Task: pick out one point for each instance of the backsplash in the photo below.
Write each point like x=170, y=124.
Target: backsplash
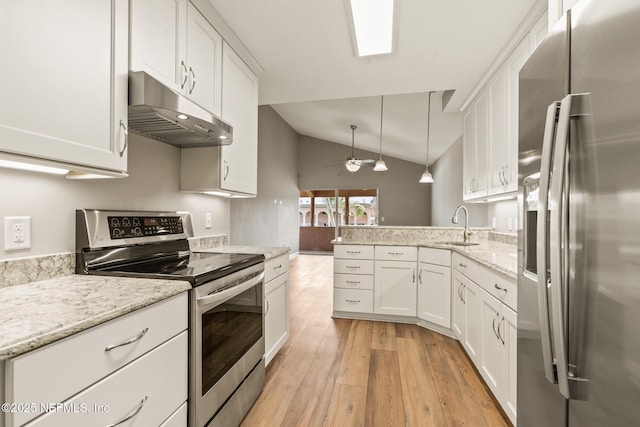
x=508, y=238
x=33, y=269
x=24, y=270
x=408, y=235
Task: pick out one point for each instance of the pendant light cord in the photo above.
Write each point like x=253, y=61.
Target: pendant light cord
x=353, y=132
x=381, y=111
x=428, y=120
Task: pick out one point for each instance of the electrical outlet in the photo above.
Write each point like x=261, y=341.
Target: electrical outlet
x=207, y=220
x=17, y=232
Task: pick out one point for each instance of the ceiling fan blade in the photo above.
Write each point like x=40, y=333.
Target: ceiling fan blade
x=367, y=161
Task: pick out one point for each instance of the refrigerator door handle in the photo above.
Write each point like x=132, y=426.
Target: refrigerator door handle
x=542, y=235
x=557, y=229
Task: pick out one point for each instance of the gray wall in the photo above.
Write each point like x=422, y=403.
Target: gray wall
x=446, y=193
x=402, y=200
x=271, y=219
x=51, y=201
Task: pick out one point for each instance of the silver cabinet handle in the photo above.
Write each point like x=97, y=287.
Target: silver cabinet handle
x=226, y=170
x=414, y=275
x=505, y=175
x=499, y=334
x=277, y=267
x=462, y=265
x=463, y=286
x=542, y=239
x=493, y=324
x=420, y=277
x=353, y=282
x=126, y=137
x=396, y=253
x=186, y=75
x=127, y=342
x=500, y=176
x=505, y=290
x=352, y=266
x=131, y=414
x=266, y=300
x=353, y=252
x=193, y=79
x=355, y=301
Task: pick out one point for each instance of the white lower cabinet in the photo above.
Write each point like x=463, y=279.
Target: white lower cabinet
x=472, y=323
x=178, y=418
x=276, y=295
x=145, y=392
x=353, y=279
x=134, y=363
x=394, y=288
x=434, y=286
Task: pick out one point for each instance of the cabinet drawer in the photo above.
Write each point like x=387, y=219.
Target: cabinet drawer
x=500, y=286
x=356, y=300
x=397, y=253
x=157, y=382
x=353, y=251
x=352, y=266
x=81, y=360
x=275, y=267
x=465, y=266
x=178, y=418
x=435, y=256
x=352, y=281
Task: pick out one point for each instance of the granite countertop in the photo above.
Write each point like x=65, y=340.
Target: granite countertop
x=38, y=313
x=501, y=257
x=268, y=251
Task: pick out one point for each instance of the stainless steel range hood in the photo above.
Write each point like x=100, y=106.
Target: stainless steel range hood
x=160, y=113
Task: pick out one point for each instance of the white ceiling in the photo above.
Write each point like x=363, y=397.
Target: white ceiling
x=315, y=82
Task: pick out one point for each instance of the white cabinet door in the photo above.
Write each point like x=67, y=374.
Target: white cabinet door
x=469, y=152
x=473, y=319
x=158, y=40
x=434, y=294
x=499, y=158
x=476, y=140
x=65, y=80
x=239, y=167
x=508, y=331
x=276, y=327
x=491, y=362
x=458, y=306
x=204, y=62
x=395, y=288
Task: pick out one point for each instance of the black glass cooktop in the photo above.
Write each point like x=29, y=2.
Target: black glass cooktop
x=196, y=267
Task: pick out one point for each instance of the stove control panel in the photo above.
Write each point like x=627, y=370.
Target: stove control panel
x=125, y=227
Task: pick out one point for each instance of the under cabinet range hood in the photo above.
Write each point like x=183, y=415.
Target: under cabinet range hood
x=157, y=112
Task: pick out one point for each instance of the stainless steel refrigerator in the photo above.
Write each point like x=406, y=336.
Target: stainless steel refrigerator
x=579, y=247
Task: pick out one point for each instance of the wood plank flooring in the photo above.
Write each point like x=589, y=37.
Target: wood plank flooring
x=339, y=372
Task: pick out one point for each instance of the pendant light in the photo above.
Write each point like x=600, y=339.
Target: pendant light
x=426, y=177
x=353, y=164
x=380, y=164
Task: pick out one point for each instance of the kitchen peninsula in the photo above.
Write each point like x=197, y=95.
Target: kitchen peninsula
x=431, y=277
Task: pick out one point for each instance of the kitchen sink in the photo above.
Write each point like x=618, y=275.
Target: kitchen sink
x=458, y=243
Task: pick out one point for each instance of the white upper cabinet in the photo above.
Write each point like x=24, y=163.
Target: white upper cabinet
x=175, y=44
x=500, y=158
x=239, y=167
x=475, y=144
x=64, y=82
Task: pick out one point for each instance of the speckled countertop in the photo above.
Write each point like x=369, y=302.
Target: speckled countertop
x=38, y=313
x=501, y=257
x=268, y=251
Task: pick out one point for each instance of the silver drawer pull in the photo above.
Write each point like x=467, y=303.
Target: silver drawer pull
x=131, y=414
x=353, y=252
x=462, y=265
x=127, y=342
x=277, y=267
x=499, y=288
x=353, y=282
x=352, y=266
x=356, y=301
x=396, y=253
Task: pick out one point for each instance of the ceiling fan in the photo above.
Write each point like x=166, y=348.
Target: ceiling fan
x=353, y=163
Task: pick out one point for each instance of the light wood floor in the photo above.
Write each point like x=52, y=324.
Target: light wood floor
x=338, y=372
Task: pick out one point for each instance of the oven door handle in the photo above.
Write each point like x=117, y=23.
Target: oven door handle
x=213, y=299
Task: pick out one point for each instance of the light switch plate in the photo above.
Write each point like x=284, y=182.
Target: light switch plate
x=17, y=232
x=207, y=220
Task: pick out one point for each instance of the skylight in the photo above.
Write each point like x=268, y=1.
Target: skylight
x=372, y=22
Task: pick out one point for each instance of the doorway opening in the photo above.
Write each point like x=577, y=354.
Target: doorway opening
x=322, y=212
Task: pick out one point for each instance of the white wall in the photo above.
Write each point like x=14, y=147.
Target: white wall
x=502, y=211
x=51, y=201
x=271, y=218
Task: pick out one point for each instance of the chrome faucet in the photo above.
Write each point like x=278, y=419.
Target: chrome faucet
x=466, y=233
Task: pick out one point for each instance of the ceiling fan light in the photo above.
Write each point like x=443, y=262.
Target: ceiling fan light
x=380, y=166
x=426, y=177
x=353, y=165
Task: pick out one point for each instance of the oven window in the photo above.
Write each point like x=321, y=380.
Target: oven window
x=228, y=331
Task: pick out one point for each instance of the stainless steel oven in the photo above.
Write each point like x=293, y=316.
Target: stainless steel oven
x=226, y=303
x=227, y=346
